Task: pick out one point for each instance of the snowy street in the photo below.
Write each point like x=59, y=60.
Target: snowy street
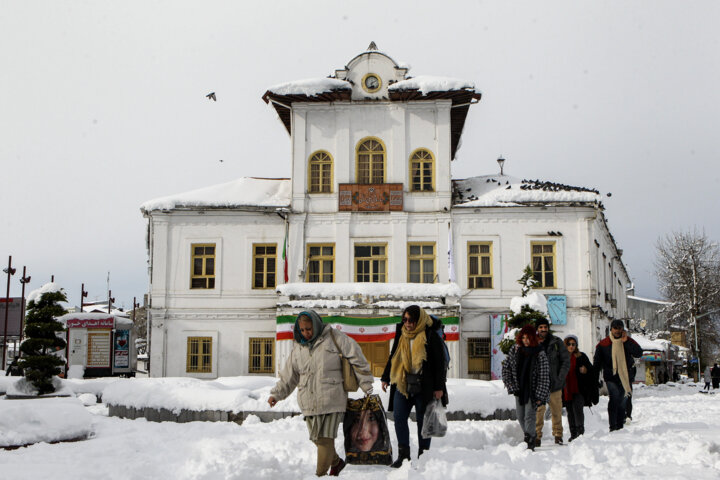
x=675, y=433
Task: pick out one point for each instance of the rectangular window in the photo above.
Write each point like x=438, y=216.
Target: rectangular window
x=543, y=263
x=203, y=266
x=199, y=355
x=264, y=260
x=421, y=262
x=321, y=263
x=478, y=356
x=262, y=355
x=480, y=265
x=370, y=263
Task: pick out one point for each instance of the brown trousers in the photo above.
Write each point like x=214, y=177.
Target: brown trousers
x=555, y=411
x=326, y=455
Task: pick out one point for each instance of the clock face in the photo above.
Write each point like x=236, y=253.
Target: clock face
x=371, y=83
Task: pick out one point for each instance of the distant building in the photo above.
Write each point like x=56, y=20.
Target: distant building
x=645, y=314
x=370, y=221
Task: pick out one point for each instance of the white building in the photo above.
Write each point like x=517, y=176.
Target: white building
x=369, y=216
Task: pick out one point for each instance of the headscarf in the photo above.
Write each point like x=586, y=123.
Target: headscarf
x=317, y=325
x=407, y=360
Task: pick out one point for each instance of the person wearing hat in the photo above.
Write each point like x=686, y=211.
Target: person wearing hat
x=580, y=387
x=559, y=360
x=614, y=359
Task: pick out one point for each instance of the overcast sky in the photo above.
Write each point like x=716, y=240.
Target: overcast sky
x=102, y=107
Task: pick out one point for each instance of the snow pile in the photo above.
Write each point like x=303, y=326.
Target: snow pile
x=387, y=304
x=396, y=290
x=647, y=344
x=76, y=371
x=47, y=288
x=250, y=394
x=310, y=87
x=246, y=191
x=24, y=422
x=24, y=388
x=503, y=190
x=429, y=83
x=534, y=300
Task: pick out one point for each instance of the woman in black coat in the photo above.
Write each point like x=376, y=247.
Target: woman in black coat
x=416, y=374
x=580, y=387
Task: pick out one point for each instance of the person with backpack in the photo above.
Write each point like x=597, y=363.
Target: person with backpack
x=559, y=360
x=416, y=372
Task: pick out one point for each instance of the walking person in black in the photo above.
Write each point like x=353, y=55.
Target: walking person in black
x=614, y=359
x=580, y=388
x=559, y=360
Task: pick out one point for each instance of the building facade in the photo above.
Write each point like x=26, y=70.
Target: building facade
x=370, y=221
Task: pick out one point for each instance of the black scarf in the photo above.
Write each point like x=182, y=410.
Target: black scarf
x=525, y=358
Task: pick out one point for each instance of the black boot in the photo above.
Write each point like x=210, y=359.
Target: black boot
x=531, y=442
x=403, y=454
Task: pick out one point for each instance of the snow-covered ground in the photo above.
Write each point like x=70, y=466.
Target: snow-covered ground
x=675, y=433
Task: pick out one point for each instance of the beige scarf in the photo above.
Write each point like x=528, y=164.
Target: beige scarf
x=619, y=363
x=407, y=360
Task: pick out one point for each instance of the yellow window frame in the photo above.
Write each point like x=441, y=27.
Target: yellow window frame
x=317, y=263
x=478, y=352
x=476, y=278
x=202, y=280
x=199, y=355
x=376, y=153
x=264, y=277
x=371, y=260
x=541, y=274
x=323, y=181
x=422, y=166
x=261, y=355
x=422, y=257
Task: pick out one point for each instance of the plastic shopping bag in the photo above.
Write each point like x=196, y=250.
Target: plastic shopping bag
x=435, y=420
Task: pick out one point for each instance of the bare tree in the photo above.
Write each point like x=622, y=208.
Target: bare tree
x=688, y=271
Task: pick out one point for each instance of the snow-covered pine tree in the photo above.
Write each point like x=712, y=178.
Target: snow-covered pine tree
x=38, y=361
x=526, y=309
x=688, y=274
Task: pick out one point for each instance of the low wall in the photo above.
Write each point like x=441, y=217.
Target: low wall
x=164, y=415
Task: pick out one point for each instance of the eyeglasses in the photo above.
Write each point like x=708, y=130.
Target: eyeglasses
x=408, y=320
x=571, y=344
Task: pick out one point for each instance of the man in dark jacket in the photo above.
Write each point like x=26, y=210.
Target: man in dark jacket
x=559, y=360
x=614, y=358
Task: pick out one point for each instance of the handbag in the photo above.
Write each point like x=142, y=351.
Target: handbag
x=413, y=383
x=367, y=439
x=350, y=382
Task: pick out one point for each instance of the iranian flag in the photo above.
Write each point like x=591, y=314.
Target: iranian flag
x=284, y=255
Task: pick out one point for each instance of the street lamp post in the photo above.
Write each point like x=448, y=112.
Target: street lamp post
x=83, y=295
x=10, y=271
x=23, y=280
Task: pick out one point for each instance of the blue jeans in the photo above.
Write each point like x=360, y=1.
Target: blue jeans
x=401, y=413
x=526, y=415
x=616, y=405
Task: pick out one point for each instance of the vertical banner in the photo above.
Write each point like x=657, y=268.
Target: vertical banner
x=498, y=329
x=122, y=349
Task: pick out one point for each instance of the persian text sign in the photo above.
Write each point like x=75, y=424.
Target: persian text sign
x=91, y=323
x=376, y=197
x=557, y=309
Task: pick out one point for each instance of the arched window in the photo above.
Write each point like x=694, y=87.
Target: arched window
x=320, y=172
x=422, y=166
x=370, y=161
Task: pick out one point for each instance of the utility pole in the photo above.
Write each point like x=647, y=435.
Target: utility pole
x=24, y=280
x=83, y=295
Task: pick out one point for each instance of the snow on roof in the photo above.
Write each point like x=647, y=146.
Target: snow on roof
x=397, y=290
x=647, y=344
x=245, y=191
x=649, y=300
x=430, y=83
x=310, y=87
x=504, y=190
x=47, y=288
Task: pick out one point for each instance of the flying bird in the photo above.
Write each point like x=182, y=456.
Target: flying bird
x=211, y=96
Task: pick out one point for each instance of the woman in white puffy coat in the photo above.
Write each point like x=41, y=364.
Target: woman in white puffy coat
x=315, y=368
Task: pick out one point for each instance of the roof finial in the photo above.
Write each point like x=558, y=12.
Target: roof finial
x=372, y=46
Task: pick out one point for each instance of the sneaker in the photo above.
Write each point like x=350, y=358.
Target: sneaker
x=558, y=440
x=335, y=471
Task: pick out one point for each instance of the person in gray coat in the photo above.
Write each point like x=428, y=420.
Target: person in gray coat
x=315, y=368
x=559, y=360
